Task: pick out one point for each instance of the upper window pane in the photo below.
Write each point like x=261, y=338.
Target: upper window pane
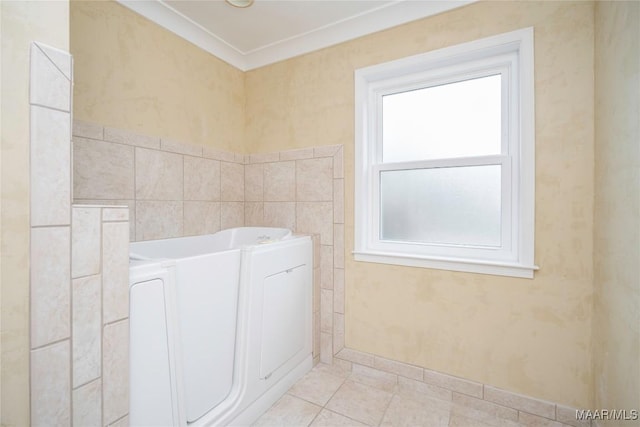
x=458, y=119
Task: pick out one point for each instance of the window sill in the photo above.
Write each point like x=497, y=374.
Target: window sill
x=451, y=264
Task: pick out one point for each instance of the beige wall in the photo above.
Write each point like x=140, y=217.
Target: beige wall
x=529, y=336
x=617, y=206
x=132, y=74
x=22, y=23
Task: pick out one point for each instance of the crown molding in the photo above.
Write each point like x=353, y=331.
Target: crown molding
x=388, y=16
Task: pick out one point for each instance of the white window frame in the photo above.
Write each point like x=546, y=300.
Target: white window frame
x=509, y=54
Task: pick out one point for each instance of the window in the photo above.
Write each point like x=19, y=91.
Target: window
x=445, y=158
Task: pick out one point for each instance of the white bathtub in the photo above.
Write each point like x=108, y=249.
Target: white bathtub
x=237, y=330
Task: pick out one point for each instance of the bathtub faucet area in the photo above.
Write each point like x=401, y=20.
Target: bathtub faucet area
x=220, y=325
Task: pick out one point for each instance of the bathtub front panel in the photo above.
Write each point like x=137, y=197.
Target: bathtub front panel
x=207, y=296
x=150, y=382
x=283, y=318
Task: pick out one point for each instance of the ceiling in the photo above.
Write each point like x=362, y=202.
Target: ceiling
x=274, y=30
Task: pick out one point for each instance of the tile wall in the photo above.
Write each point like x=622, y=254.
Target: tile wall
x=173, y=189
x=178, y=189
x=79, y=267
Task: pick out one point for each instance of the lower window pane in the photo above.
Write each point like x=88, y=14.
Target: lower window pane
x=453, y=205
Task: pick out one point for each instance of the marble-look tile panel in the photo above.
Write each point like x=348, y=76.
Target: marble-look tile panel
x=87, y=130
x=360, y=402
x=60, y=58
x=326, y=150
x=374, y=378
x=338, y=244
x=289, y=411
x=520, y=402
x=338, y=290
x=297, y=154
x=201, y=179
x=338, y=163
x=280, y=181
x=315, y=217
x=356, y=356
x=327, y=418
x=49, y=87
x=280, y=214
x=453, y=383
x=316, y=249
x=159, y=175
x=50, y=385
x=462, y=416
x=87, y=404
x=404, y=412
x=338, y=330
x=201, y=218
x=231, y=215
x=485, y=406
x=231, y=182
x=215, y=154
x=338, y=201
x=87, y=326
x=115, y=271
x=50, y=285
x=529, y=420
x=339, y=368
x=253, y=214
x=316, y=289
x=254, y=183
x=316, y=334
x=158, y=220
x=115, y=370
x=326, y=311
x=118, y=213
x=314, y=180
x=264, y=157
x=130, y=208
x=316, y=387
x=126, y=137
x=326, y=348
x=86, y=241
x=50, y=167
x=404, y=369
x=326, y=267
x=243, y=159
x=102, y=170
x=418, y=390
x=173, y=146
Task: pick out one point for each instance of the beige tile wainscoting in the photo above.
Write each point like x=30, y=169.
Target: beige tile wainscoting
x=178, y=189
x=79, y=269
x=362, y=389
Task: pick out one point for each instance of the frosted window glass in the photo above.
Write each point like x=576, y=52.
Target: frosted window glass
x=452, y=120
x=453, y=205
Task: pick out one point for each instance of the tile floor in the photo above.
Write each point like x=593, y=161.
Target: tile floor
x=331, y=395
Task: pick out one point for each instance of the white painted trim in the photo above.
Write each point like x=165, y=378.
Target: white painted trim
x=450, y=264
x=397, y=13
x=167, y=17
x=394, y=14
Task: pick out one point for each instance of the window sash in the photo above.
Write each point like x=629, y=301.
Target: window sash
x=501, y=65
x=503, y=252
